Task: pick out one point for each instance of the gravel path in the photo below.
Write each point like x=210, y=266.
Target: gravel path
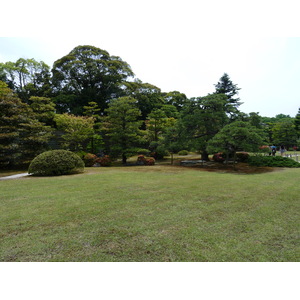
x=14, y=176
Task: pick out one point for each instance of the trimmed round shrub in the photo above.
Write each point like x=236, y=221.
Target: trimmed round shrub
x=183, y=152
x=55, y=163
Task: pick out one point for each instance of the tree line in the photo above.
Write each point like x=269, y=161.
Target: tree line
x=91, y=101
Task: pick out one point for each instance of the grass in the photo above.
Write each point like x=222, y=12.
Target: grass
x=154, y=213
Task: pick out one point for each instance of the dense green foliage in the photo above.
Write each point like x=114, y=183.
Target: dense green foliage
x=235, y=137
x=272, y=161
x=87, y=74
x=122, y=126
x=82, y=100
x=56, y=162
x=22, y=136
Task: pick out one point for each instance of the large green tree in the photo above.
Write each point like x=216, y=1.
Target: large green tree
x=236, y=136
x=27, y=77
x=88, y=74
x=297, y=123
x=284, y=133
x=22, y=136
x=148, y=96
x=122, y=127
x=201, y=120
x=176, y=98
x=44, y=109
x=227, y=87
x=77, y=130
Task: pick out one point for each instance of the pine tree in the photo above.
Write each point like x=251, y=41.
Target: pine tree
x=22, y=136
x=297, y=123
x=122, y=127
x=227, y=87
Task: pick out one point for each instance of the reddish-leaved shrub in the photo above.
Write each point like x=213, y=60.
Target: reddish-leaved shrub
x=219, y=157
x=89, y=159
x=150, y=161
x=142, y=160
x=104, y=161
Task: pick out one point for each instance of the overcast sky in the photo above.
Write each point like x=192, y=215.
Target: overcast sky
x=176, y=45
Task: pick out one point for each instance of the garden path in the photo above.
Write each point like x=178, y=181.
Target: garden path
x=14, y=176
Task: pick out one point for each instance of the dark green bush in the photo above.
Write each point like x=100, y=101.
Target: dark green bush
x=159, y=153
x=272, y=161
x=242, y=156
x=56, y=162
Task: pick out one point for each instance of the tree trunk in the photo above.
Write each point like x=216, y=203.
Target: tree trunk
x=204, y=156
x=124, y=159
x=234, y=159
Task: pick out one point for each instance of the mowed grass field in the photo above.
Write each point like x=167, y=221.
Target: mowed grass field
x=153, y=213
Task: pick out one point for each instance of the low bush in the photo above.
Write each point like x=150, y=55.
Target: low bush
x=56, y=162
x=104, y=161
x=150, y=161
x=219, y=157
x=158, y=151
x=273, y=161
x=142, y=160
x=89, y=159
x=242, y=156
x=183, y=152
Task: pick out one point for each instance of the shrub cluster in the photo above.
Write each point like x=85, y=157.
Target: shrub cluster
x=272, y=161
x=90, y=159
x=219, y=157
x=56, y=162
x=240, y=157
x=142, y=160
x=104, y=161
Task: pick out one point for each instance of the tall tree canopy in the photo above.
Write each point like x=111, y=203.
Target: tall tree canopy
x=88, y=74
x=236, y=136
x=227, y=87
x=27, y=77
x=297, y=123
x=22, y=136
x=122, y=127
x=148, y=96
x=201, y=120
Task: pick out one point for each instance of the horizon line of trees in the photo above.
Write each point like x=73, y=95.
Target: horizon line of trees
x=91, y=101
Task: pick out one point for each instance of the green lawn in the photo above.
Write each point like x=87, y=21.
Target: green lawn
x=154, y=213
